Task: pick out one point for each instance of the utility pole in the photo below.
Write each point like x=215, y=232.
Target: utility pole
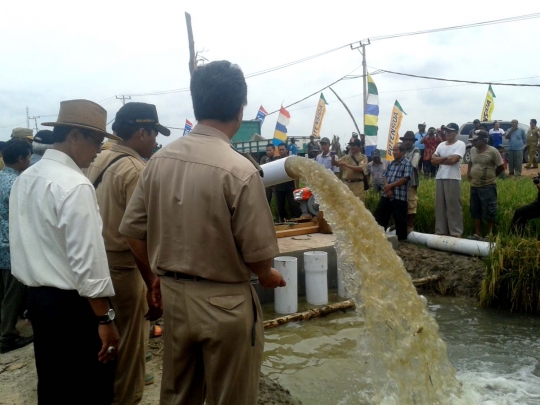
x=35, y=121
x=191, y=44
x=362, y=49
x=123, y=98
x=27, y=118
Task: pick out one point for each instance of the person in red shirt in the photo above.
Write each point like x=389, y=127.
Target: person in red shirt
x=430, y=142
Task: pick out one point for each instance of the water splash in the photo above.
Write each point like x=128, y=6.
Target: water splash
x=407, y=360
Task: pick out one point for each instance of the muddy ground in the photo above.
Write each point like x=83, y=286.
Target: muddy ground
x=462, y=277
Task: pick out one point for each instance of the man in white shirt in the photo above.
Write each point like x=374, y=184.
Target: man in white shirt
x=57, y=250
x=325, y=157
x=448, y=155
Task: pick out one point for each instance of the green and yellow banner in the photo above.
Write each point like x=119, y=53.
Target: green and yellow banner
x=393, y=132
x=489, y=105
x=319, y=115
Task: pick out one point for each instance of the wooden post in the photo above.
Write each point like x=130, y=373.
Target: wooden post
x=192, y=60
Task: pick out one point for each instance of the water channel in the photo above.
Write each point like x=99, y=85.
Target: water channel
x=495, y=353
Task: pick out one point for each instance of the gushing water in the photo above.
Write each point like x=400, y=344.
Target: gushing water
x=407, y=360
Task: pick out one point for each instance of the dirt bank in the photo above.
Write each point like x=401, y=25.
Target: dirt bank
x=462, y=275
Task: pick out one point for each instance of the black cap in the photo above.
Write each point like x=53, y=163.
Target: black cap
x=476, y=122
x=451, y=127
x=354, y=135
x=45, y=137
x=139, y=113
x=325, y=140
x=479, y=134
x=356, y=142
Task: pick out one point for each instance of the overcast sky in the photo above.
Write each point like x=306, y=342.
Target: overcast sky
x=58, y=50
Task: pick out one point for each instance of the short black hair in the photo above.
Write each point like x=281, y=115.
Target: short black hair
x=61, y=133
x=218, y=91
x=126, y=131
x=401, y=146
x=282, y=144
x=269, y=146
x=533, y=120
x=15, y=148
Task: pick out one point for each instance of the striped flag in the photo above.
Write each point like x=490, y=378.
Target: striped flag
x=280, y=134
x=261, y=115
x=187, y=128
x=371, y=119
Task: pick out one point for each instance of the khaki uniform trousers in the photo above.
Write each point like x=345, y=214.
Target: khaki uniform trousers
x=130, y=306
x=210, y=351
x=357, y=188
x=532, y=155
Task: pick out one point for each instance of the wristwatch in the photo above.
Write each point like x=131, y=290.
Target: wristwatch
x=107, y=318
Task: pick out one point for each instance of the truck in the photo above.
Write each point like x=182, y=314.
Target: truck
x=249, y=140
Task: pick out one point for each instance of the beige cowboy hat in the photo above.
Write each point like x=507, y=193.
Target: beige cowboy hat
x=83, y=114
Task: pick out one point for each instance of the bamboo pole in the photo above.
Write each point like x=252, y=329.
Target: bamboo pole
x=349, y=111
x=331, y=308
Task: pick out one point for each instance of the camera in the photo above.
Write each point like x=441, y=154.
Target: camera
x=536, y=180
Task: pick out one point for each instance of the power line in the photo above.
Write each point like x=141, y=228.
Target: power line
x=458, y=27
x=460, y=81
x=377, y=38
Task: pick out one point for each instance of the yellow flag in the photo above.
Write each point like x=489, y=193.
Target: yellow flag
x=319, y=115
x=489, y=105
x=393, y=132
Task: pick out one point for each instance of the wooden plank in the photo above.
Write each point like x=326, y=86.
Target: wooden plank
x=297, y=231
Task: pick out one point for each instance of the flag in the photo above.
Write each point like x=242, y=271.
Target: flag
x=371, y=118
x=319, y=115
x=187, y=128
x=489, y=105
x=261, y=115
x=393, y=132
x=280, y=134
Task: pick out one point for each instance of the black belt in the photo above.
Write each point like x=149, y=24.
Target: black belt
x=183, y=276
x=353, y=181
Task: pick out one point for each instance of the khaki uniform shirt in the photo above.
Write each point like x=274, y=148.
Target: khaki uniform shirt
x=484, y=165
x=202, y=208
x=533, y=134
x=2, y=164
x=115, y=190
x=348, y=174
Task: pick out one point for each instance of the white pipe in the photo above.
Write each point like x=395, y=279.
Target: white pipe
x=275, y=172
x=450, y=244
x=316, y=268
x=286, y=298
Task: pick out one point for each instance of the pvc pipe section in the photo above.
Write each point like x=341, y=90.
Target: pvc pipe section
x=316, y=268
x=276, y=172
x=450, y=244
x=286, y=298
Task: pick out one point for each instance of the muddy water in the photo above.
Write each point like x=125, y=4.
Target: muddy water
x=495, y=354
x=402, y=357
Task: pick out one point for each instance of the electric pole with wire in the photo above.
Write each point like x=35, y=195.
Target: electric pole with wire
x=27, y=118
x=362, y=49
x=123, y=98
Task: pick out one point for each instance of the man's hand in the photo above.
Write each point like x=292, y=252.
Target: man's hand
x=389, y=193
x=469, y=177
x=153, y=299
x=109, y=338
x=387, y=188
x=272, y=279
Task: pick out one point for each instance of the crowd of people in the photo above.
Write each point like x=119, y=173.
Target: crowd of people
x=98, y=239
x=438, y=153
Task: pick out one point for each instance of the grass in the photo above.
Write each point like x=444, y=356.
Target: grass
x=512, y=277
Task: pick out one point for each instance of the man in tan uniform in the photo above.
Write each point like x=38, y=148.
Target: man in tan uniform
x=353, y=168
x=115, y=174
x=533, y=136
x=192, y=218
